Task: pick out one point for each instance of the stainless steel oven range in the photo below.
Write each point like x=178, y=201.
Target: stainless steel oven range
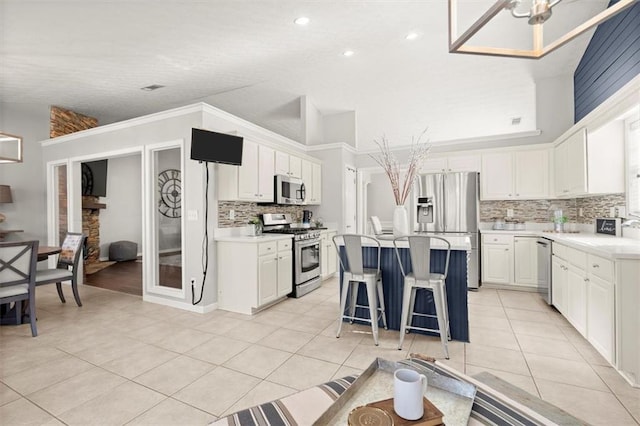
x=306, y=251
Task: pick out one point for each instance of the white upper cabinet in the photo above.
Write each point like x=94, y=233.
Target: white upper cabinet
x=458, y=163
x=531, y=174
x=590, y=162
x=288, y=165
x=253, y=181
x=316, y=187
x=515, y=175
x=464, y=163
x=312, y=178
x=282, y=163
x=570, y=165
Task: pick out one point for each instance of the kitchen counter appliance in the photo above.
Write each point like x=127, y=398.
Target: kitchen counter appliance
x=289, y=190
x=306, y=251
x=448, y=203
x=544, y=268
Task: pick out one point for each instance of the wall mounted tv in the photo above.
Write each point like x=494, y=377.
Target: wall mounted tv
x=216, y=147
x=94, y=178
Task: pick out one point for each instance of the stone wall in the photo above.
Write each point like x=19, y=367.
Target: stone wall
x=63, y=122
x=245, y=210
x=541, y=210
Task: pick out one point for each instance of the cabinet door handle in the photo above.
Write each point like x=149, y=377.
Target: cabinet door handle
x=595, y=265
x=517, y=195
x=586, y=280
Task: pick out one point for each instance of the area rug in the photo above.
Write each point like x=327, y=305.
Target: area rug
x=92, y=268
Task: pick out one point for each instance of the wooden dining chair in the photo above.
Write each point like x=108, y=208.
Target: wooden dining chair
x=69, y=257
x=17, y=277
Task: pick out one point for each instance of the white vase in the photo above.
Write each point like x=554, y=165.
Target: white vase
x=400, y=221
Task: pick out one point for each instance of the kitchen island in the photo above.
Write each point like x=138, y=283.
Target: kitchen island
x=393, y=284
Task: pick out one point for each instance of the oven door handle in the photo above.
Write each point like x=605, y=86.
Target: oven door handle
x=307, y=243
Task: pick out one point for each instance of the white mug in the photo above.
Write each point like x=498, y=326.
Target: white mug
x=408, y=389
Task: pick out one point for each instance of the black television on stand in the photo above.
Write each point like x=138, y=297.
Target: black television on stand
x=94, y=178
x=214, y=147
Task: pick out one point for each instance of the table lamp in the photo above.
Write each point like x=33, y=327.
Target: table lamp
x=5, y=197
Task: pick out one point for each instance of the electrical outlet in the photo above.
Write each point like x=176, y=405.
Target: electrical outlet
x=232, y=214
x=509, y=212
x=193, y=281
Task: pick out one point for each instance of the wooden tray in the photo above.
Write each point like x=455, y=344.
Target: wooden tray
x=432, y=416
x=453, y=397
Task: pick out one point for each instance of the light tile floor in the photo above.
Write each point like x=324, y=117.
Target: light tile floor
x=118, y=360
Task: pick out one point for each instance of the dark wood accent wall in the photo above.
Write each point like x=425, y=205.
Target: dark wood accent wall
x=611, y=60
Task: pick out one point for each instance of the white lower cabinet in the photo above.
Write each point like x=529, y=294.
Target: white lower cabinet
x=285, y=270
x=328, y=255
x=583, y=290
x=267, y=279
x=525, y=251
x=497, y=258
x=560, y=285
x=577, y=299
x=600, y=318
x=253, y=274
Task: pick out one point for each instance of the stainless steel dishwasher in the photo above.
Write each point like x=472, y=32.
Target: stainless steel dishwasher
x=544, y=268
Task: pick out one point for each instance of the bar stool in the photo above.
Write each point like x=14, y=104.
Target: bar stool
x=421, y=277
x=354, y=273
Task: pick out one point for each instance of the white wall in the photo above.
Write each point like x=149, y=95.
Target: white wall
x=380, y=201
x=28, y=210
x=311, y=122
x=134, y=135
x=340, y=127
x=122, y=219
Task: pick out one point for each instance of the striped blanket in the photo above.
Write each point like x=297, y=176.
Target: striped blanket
x=302, y=408
x=491, y=407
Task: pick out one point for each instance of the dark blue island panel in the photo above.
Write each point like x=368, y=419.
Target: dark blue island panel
x=393, y=284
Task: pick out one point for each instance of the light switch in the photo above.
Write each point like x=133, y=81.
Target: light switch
x=232, y=214
x=509, y=212
x=192, y=214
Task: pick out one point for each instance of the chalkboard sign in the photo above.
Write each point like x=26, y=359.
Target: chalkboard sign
x=608, y=226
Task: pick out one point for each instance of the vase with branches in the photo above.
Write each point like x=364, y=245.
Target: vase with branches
x=401, y=181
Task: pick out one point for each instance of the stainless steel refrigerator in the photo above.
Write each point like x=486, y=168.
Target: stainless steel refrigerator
x=449, y=203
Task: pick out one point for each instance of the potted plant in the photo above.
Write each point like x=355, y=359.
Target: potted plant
x=256, y=226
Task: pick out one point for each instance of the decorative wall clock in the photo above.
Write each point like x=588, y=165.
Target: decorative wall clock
x=87, y=180
x=170, y=188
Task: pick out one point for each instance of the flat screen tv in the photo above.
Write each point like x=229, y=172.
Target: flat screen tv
x=216, y=147
x=94, y=178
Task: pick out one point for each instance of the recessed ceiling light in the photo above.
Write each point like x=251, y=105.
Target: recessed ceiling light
x=303, y=20
x=152, y=87
x=348, y=53
x=412, y=36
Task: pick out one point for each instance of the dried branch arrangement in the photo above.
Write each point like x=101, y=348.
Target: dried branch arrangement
x=386, y=159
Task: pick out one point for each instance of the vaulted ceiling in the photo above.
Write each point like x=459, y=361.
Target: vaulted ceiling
x=250, y=59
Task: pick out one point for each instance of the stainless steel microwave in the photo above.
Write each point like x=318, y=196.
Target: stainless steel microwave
x=289, y=190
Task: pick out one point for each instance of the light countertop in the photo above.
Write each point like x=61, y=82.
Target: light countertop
x=249, y=239
x=600, y=245
x=457, y=242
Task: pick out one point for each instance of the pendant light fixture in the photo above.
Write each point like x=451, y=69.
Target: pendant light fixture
x=539, y=12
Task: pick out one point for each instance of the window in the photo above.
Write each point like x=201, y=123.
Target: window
x=632, y=126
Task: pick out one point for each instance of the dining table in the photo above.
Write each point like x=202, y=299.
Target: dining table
x=45, y=251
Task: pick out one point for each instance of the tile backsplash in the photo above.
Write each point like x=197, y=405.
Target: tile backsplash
x=541, y=210
x=245, y=210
